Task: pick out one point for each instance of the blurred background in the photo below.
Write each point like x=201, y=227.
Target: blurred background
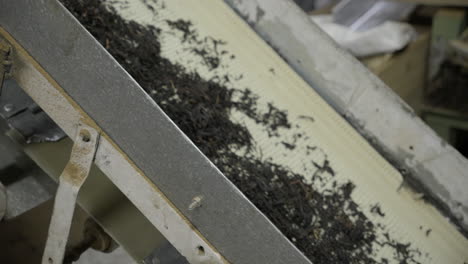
x=419, y=48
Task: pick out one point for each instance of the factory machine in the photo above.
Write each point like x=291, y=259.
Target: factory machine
x=71, y=109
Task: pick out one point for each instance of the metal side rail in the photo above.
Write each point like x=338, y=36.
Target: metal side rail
x=74, y=80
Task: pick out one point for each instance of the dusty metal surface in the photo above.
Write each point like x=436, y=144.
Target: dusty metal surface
x=72, y=178
x=173, y=171
x=367, y=103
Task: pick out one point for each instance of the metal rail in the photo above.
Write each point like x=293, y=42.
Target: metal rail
x=74, y=80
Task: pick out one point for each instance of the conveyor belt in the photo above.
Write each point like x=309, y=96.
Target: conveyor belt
x=164, y=172
x=407, y=217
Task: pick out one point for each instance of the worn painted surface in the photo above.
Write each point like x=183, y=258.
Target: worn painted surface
x=72, y=178
x=368, y=104
x=47, y=94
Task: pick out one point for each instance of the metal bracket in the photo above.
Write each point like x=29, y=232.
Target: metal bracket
x=72, y=178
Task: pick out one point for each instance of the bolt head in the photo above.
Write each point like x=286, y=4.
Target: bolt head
x=196, y=202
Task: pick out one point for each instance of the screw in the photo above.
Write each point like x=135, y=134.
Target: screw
x=196, y=202
x=8, y=108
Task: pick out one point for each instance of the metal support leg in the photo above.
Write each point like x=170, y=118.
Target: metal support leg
x=72, y=178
